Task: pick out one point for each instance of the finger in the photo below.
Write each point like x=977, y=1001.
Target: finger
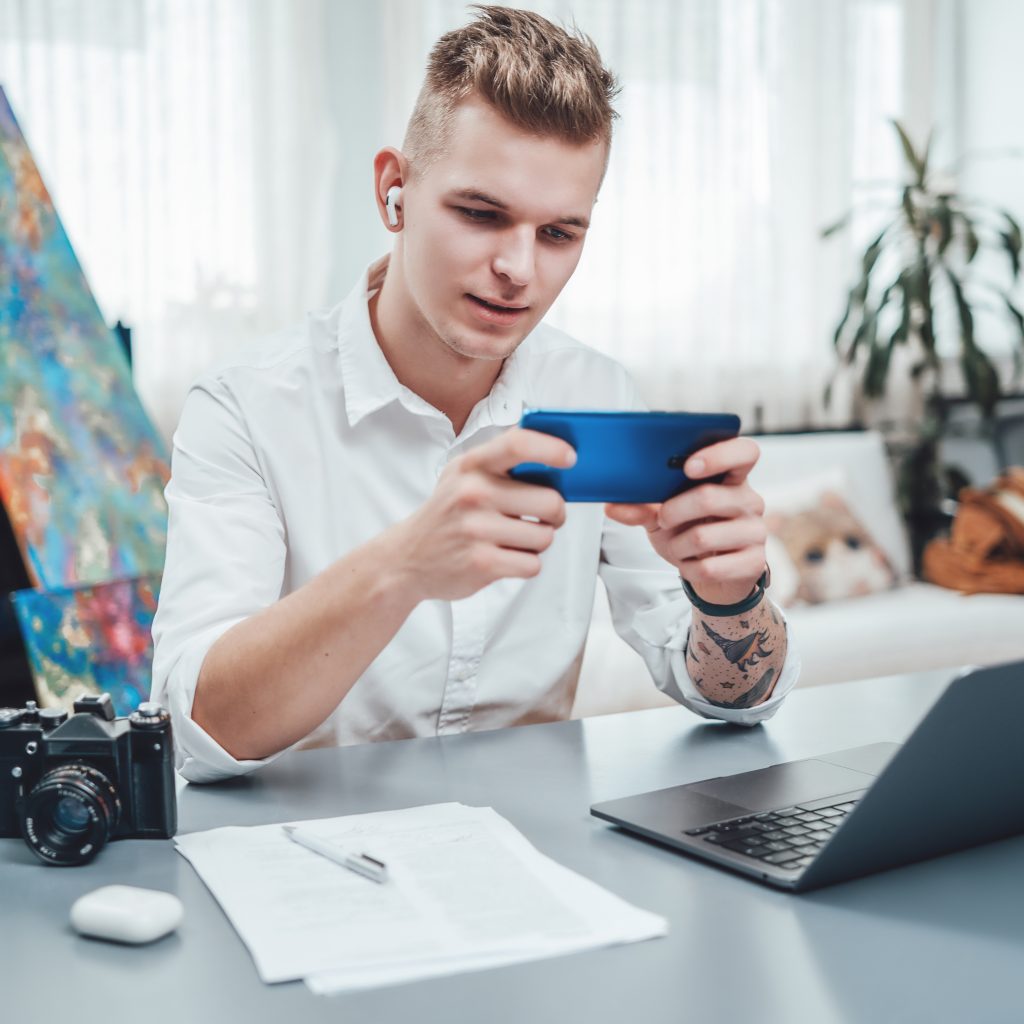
x=516, y=534
x=516, y=446
x=716, y=537
x=732, y=567
x=633, y=515
x=512, y=564
x=735, y=458
x=516, y=498
x=711, y=501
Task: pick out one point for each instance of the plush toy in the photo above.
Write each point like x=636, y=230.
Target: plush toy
x=985, y=551
x=823, y=553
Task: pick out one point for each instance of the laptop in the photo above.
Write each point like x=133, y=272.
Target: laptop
x=956, y=782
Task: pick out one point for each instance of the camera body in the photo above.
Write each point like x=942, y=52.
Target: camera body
x=68, y=784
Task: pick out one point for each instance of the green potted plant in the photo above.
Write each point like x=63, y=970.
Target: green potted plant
x=918, y=281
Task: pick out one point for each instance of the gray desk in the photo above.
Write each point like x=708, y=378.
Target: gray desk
x=939, y=941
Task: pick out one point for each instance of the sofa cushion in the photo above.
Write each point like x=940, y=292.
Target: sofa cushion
x=818, y=548
x=862, y=457
x=915, y=627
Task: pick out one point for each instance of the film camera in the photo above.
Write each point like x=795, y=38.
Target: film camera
x=68, y=784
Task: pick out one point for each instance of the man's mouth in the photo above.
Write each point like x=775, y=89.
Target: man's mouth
x=498, y=307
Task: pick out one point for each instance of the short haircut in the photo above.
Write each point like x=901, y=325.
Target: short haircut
x=544, y=79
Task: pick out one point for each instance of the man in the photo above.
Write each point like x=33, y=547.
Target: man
x=346, y=550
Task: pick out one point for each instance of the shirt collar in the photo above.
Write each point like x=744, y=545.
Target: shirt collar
x=506, y=401
x=370, y=384
x=367, y=378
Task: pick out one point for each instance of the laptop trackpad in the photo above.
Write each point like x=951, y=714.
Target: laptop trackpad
x=783, y=785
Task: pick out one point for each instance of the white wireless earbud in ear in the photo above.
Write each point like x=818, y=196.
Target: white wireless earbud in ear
x=390, y=202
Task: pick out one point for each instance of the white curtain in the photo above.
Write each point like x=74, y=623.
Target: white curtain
x=190, y=147
x=211, y=162
x=744, y=127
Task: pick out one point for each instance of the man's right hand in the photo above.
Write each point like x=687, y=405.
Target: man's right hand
x=469, y=533
x=472, y=530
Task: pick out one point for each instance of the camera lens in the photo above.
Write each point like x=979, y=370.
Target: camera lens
x=70, y=813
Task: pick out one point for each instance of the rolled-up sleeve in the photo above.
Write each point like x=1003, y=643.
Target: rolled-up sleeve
x=651, y=613
x=225, y=560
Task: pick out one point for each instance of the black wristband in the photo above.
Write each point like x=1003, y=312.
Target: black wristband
x=722, y=610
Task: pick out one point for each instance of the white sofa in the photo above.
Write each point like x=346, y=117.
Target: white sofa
x=913, y=627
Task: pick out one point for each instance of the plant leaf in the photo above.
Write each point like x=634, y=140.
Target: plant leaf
x=877, y=368
x=963, y=310
x=908, y=208
x=919, y=283
x=838, y=225
x=980, y=375
x=868, y=326
x=970, y=235
x=1014, y=228
x=902, y=332
x=866, y=332
x=943, y=217
x=872, y=252
x=859, y=293
x=918, y=164
x=1012, y=248
x=981, y=379
x=1018, y=349
x=855, y=300
x=1015, y=315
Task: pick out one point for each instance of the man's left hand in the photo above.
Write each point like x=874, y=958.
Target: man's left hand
x=714, y=533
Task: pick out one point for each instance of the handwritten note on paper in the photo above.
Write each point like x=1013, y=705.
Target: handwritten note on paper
x=466, y=890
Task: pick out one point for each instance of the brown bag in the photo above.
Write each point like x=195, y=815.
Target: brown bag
x=985, y=550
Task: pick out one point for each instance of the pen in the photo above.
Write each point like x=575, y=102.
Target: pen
x=361, y=863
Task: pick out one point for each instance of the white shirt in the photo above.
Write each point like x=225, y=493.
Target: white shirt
x=308, y=446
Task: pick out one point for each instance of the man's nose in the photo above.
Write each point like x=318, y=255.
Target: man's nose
x=514, y=258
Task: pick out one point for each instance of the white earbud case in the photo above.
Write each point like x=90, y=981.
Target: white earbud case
x=125, y=913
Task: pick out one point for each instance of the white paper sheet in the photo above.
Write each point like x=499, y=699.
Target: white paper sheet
x=466, y=891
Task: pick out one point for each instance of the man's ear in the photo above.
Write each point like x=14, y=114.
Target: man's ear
x=390, y=170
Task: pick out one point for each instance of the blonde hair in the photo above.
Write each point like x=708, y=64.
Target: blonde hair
x=542, y=78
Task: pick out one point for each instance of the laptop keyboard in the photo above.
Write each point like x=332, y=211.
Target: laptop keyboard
x=789, y=838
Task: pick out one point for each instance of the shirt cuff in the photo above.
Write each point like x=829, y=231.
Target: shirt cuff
x=198, y=756
x=691, y=697
x=668, y=626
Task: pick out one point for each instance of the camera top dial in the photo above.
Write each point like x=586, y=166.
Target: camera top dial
x=149, y=715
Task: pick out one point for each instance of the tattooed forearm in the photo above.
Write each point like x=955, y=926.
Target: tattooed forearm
x=757, y=693
x=740, y=658
x=744, y=651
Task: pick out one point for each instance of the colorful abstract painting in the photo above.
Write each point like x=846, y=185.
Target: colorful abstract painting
x=90, y=640
x=82, y=469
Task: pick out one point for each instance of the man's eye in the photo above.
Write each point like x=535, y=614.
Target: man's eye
x=558, y=236
x=473, y=214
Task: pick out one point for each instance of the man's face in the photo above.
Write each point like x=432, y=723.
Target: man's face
x=493, y=230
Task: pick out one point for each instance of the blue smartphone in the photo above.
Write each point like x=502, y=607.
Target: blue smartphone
x=632, y=457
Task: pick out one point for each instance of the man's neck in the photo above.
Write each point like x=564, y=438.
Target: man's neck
x=422, y=362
